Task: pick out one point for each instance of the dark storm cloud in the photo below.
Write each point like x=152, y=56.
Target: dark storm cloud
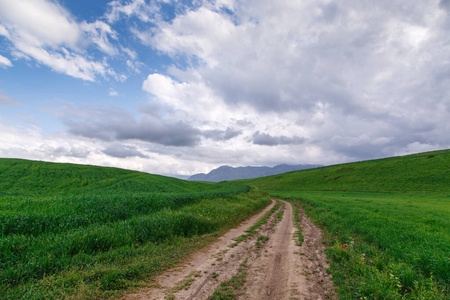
x=121, y=151
x=342, y=68
x=114, y=124
x=71, y=152
x=221, y=135
x=330, y=12
x=156, y=131
x=244, y=123
x=445, y=4
x=269, y=140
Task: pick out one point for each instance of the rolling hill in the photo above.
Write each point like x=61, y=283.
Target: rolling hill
x=25, y=177
x=89, y=232
x=423, y=172
x=386, y=223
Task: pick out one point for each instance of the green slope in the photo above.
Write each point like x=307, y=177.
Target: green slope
x=386, y=223
x=76, y=231
x=424, y=172
x=25, y=177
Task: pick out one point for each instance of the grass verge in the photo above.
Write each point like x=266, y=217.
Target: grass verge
x=384, y=245
x=298, y=236
x=103, y=260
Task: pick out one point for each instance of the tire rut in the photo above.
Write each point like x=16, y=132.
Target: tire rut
x=210, y=266
x=275, y=267
x=268, y=274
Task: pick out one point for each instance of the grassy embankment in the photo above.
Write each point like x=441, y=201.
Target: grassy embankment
x=87, y=232
x=391, y=215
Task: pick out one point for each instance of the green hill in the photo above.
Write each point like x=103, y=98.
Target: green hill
x=424, y=172
x=386, y=223
x=76, y=231
x=25, y=177
x=91, y=232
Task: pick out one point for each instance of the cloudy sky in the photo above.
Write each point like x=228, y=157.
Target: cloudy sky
x=182, y=87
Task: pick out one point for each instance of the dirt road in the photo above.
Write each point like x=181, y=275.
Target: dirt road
x=264, y=264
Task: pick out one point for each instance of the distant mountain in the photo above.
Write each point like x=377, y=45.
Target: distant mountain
x=225, y=173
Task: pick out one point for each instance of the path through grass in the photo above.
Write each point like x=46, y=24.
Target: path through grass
x=384, y=245
x=93, y=232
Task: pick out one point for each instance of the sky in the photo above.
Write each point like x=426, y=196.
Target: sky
x=178, y=87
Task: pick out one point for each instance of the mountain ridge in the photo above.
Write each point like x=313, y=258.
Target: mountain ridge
x=227, y=173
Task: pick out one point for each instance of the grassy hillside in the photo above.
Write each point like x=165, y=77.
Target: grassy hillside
x=386, y=221
x=424, y=172
x=89, y=231
x=24, y=177
x=397, y=245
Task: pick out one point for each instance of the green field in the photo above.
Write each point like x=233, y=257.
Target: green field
x=391, y=215
x=72, y=230
x=424, y=172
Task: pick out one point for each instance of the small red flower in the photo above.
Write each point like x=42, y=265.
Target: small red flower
x=343, y=247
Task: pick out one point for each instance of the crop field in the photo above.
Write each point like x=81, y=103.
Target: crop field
x=397, y=246
x=71, y=230
x=386, y=222
x=423, y=172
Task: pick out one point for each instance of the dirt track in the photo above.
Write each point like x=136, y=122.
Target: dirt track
x=275, y=269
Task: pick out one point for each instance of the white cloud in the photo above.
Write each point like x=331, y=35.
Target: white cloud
x=254, y=82
x=229, y=4
x=31, y=143
x=194, y=99
x=44, y=31
x=354, y=79
x=418, y=147
x=66, y=62
x=4, y=31
x=98, y=33
x=132, y=54
x=4, y=61
x=138, y=8
x=40, y=20
x=113, y=92
x=202, y=33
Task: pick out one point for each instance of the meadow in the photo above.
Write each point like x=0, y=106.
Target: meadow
x=74, y=231
x=396, y=245
x=423, y=172
x=386, y=223
x=88, y=232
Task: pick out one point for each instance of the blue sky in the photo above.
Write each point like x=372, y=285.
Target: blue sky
x=182, y=87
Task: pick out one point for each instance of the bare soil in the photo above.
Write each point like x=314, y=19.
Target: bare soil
x=275, y=269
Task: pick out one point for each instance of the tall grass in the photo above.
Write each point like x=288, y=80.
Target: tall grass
x=34, y=216
x=397, y=246
x=91, y=237
x=387, y=223
x=423, y=172
x=35, y=178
